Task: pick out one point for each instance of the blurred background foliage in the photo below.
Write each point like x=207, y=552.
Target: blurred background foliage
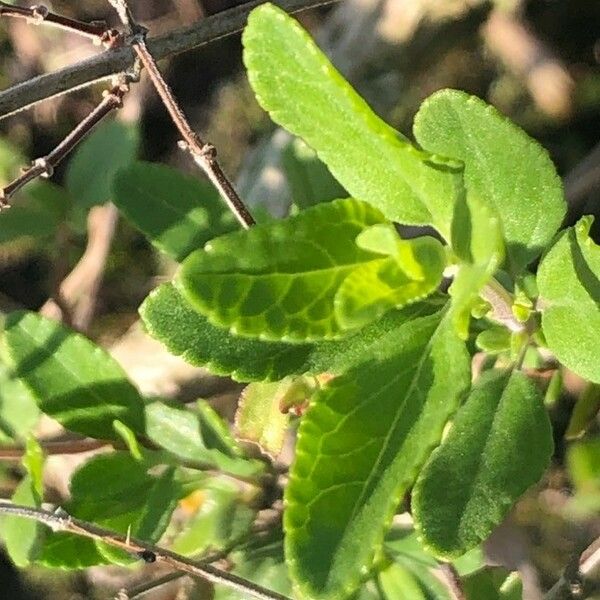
x=536, y=60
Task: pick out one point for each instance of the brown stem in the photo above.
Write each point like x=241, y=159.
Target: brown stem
x=59, y=521
x=204, y=154
x=40, y=15
x=54, y=448
x=144, y=588
x=44, y=167
x=452, y=580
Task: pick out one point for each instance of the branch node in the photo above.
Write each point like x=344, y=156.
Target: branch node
x=39, y=13
x=47, y=170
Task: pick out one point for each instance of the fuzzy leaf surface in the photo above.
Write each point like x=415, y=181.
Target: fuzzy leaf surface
x=499, y=445
x=569, y=286
x=295, y=82
x=169, y=318
x=73, y=381
x=176, y=212
x=279, y=280
x=503, y=166
x=360, y=446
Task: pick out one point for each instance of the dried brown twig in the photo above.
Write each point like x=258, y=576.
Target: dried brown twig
x=59, y=521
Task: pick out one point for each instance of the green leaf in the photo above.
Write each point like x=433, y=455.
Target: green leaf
x=278, y=281
x=360, y=446
x=110, y=147
x=493, y=584
x=309, y=179
x=262, y=415
x=23, y=537
x=36, y=216
x=302, y=91
x=499, y=445
x=584, y=412
x=583, y=461
x=221, y=518
x=176, y=212
x=73, y=380
x=503, y=167
x=201, y=437
x=261, y=562
x=19, y=411
x=397, y=581
x=478, y=242
x=569, y=286
x=413, y=271
x=169, y=318
x=113, y=491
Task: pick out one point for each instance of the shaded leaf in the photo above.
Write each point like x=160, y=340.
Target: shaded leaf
x=279, y=280
x=499, y=445
x=569, y=286
x=197, y=436
x=583, y=413
x=503, y=166
x=360, y=446
x=176, y=212
x=110, y=147
x=294, y=81
x=73, y=380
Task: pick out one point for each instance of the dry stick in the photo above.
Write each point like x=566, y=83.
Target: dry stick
x=144, y=588
x=44, y=167
x=204, y=154
x=103, y=66
x=570, y=583
x=59, y=521
x=54, y=448
x=38, y=15
x=452, y=581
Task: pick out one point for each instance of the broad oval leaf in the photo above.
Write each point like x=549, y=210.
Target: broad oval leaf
x=278, y=281
x=569, y=286
x=499, y=445
x=185, y=332
x=295, y=82
x=177, y=213
x=503, y=166
x=73, y=381
x=90, y=173
x=360, y=446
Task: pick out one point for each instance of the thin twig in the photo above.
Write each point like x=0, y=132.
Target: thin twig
x=54, y=448
x=144, y=588
x=574, y=576
x=451, y=579
x=59, y=521
x=111, y=62
x=40, y=15
x=204, y=154
x=44, y=167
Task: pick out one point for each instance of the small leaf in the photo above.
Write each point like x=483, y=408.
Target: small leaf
x=73, y=380
x=114, y=491
x=278, y=281
x=411, y=273
x=170, y=319
x=360, y=446
x=176, y=212
x=200, y=437
x=397, y=581
x=569, y=286
x=220, y=518
x=19, y=411
x=494, y=340
x=24, y=537
x=503, y=166
x=294, y=81
x=309, y=179
x=493, y=584
x=472, y=480
x=262, y=414
x=110, y=147
x=585, y=410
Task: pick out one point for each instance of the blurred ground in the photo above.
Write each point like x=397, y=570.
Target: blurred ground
x=537, y=61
